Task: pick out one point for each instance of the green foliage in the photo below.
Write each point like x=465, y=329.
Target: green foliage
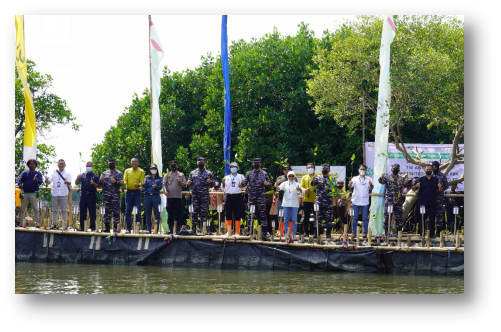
x=427, y=75
x=50, y=110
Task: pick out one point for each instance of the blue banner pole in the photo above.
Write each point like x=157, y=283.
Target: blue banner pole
x=227, y=104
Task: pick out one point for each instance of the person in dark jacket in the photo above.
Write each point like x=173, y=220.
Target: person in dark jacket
x=429, y=186
x=151, y=188
x=29, y=182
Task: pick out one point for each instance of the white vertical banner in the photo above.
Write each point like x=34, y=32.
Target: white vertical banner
x=156, y=55
x=382, y=129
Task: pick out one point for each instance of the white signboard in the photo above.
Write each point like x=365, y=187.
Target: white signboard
x=337, y=172
x=429, y=153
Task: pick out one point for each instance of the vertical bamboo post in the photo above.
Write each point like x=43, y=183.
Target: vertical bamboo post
x=155, y=227
x=173, y=231
x=441, y=239
x=457, y=239
x=345, y=232
x=428, y=232
x=378, y=241
x=204, y=228
x=358, y=236
x=399, y=241
x=229, y=231
x=70, y=219
x=409, y=242
x=369, y=237
x=259, y=232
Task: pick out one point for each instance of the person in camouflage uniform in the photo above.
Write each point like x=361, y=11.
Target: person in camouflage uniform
x=202, y=180
x=439, y=210
x=324, y=200
x=110, y=181
x=393, y=196
x=258, y=182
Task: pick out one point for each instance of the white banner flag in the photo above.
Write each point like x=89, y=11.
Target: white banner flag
x=156, y=53
x=382, y=129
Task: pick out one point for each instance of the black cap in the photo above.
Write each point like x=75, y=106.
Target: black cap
x=436, y=164
x=395, y=166
x=112, y=161
x=256, y=160
x=200, y=159
x=326, y=165
x=174, y=162
x=153, y=166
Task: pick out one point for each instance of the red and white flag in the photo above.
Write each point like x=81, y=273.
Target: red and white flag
x=156, y=55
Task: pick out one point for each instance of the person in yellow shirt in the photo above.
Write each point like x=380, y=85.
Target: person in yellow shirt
x=309, y=198
x=133, y=180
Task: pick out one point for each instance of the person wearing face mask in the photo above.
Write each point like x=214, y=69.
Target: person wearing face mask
x=173, y=183
x=258, y=181
x=310, y=195
x=429, y=186
x=202, y=180
x=110, y=181
x=233, y=197
x=133, y=179
x=290, y=204
x=394, y=187
x=439, y=209
x=280, y=179
x=323, y=199
x=360, y=186
x=151, y=188
x=88, y=191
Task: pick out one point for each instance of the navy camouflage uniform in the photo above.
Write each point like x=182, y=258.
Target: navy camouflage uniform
x=439, y=209
x=393, y=196
x=256, y=190
x=111, y=195
x=324, y=201
x=200, y=193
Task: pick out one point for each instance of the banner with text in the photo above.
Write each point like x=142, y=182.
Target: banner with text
x=429, y=152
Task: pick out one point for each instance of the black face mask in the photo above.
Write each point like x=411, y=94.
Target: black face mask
x=256, y=166
x=173, y=168
x=201, y=166
x=112, y=166
x=435, y=171
x=339, y=186
x=428, y=172
x=395, y=171
x=325, y=172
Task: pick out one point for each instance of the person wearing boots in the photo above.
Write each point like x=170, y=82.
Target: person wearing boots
x=324, y=200
x=151, y=188
x=233, y=197
x=88, y=192
x=111, y=180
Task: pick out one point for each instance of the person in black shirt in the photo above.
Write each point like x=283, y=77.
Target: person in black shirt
x=90, y=181
x=428, y=186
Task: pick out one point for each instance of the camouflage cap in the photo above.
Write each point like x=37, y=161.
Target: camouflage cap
x=326, y=165
x=112, y=161
x=395, y=166
x=256, y=160
x=200, y=160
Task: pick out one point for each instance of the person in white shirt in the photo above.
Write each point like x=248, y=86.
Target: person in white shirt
x=234, y=199
x=290, y=202
x=360, y=186
x=61, y=181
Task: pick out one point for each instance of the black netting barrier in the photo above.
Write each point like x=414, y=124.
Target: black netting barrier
x=75, y=248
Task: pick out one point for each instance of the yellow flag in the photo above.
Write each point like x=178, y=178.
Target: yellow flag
x=30, y=144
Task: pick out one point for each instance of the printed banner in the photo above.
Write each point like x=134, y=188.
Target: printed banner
x=382, y=129
x=30, y=139
x=429, y=152
x=156, y=53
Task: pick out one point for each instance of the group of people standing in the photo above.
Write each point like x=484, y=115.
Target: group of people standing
x=314, y=191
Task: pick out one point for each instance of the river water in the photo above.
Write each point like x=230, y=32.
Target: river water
x=45, y=278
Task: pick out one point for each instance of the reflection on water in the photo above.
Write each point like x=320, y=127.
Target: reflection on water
x=41, y=278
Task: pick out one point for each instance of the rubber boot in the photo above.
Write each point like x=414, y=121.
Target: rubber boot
x=107, y=227
x=228, y=225
x=281, y=227
x=237, y=227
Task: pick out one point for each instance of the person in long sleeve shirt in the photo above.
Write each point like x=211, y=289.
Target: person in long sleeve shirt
x=151, y=187
x=29, y=182
x=290, y=201
x=429, y=186
x=324, y=199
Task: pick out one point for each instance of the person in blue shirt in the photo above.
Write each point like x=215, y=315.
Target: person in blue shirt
x=151, y=188
x=29, y=182
x=90, y=181
x=429, y=186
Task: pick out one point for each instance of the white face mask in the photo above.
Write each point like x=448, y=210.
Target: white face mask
x=153, y=171
x=362, y=172
x=311, y=170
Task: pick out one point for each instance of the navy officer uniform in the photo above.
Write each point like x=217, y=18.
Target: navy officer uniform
x=202, y=180
x=258, y=181
x=324, y=200
x=88, y=194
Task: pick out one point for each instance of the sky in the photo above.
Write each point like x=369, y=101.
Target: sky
x=98, y=62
